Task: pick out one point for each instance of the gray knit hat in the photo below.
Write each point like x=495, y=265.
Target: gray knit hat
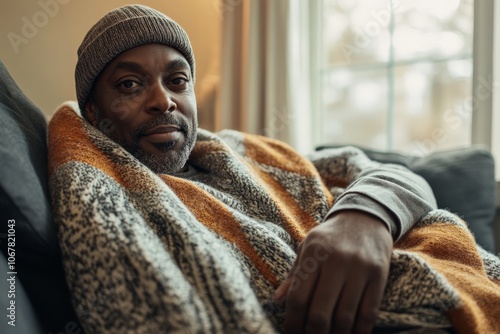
x=120, y=30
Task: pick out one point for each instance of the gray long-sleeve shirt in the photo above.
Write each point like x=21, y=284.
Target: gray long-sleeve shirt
x=397, y=196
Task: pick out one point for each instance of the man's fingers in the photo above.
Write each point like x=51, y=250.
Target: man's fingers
x=344, y=315
x=298, y=299
x=327, y=292
x=370, y=304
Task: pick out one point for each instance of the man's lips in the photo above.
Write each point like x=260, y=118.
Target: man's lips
x=162, y=134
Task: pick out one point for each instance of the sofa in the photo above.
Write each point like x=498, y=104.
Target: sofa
x=40, y=294
x=462, y=179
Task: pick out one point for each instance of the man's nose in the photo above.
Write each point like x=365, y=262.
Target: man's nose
x=160, y=99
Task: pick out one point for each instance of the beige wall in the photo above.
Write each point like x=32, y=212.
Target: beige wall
x=43, y=63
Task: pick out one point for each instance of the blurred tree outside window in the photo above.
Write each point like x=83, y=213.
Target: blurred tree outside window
x=397, y=75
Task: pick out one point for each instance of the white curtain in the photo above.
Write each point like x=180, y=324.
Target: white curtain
x=266, y=82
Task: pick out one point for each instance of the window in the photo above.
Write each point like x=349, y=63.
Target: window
x=397, y=75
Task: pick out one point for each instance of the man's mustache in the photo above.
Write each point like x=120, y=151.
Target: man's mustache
x=166, y=119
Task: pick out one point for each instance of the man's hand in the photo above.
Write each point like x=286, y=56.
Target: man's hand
x=337, y=282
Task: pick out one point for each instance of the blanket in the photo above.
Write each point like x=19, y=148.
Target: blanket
x=148, y=253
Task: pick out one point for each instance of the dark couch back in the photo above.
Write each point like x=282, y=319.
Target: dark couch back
x=24, y=199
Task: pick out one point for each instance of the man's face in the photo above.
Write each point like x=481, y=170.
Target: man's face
x=144, y=100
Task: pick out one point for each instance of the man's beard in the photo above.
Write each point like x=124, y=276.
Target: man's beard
x=160, y=163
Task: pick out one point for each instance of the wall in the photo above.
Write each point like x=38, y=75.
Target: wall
x=41, y=56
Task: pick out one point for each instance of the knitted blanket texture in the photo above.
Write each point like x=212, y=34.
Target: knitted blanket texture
x=148, y=253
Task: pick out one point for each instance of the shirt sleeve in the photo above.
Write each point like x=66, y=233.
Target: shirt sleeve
x=394, y=194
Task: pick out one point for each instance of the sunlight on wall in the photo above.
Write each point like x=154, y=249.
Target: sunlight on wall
x=39, y=40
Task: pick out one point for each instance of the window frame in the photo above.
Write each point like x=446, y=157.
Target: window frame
x=495, y=108
x=482, y=78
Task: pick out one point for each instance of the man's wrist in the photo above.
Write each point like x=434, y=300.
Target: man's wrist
x=357, y=217
x=361, y=203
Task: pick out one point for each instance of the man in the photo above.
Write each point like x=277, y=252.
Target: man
x=135, y=83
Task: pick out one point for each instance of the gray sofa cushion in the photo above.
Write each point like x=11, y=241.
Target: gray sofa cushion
x=23, y=315
x=23, y=197
x=463, y=181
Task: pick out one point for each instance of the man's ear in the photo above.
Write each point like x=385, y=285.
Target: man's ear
x=90, y=112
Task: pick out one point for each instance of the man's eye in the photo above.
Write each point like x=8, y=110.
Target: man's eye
x=129, y=84
x=179, y=81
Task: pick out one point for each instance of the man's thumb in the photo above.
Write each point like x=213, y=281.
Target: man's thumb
x=282, y=291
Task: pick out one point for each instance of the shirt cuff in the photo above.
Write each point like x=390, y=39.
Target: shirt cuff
x=360, y=202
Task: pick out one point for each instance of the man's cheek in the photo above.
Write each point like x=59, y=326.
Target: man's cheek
x=105, y=125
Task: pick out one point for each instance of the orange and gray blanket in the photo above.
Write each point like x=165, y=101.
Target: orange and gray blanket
x=147, y=253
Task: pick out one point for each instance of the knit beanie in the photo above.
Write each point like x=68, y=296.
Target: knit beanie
x=120, y=30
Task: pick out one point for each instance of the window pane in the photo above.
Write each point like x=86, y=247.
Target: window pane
x=355, y=107
x=355, y=32
x=437, y=29
x=433, y=106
